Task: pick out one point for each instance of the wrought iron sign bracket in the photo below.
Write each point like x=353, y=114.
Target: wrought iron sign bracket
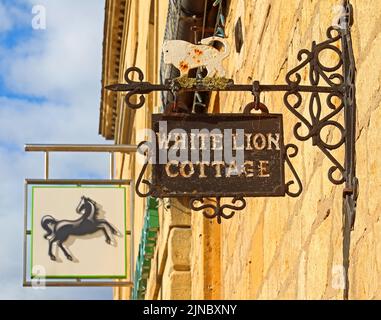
x=330, y=102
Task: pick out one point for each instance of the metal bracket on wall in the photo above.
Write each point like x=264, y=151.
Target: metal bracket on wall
x=331, y=91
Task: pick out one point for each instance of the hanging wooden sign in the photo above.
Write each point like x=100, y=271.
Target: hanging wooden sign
x=213, y=155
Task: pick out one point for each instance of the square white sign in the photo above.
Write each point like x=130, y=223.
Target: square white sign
x=78, y=232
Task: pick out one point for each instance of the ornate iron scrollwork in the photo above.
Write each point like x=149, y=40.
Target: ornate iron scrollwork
x=129, y=95
x=329, y=74
x=148, y=155
x=287, y=157
x=217, y=210
x=136, y=87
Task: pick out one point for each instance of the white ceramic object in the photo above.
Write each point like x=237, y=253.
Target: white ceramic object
x=185, y=55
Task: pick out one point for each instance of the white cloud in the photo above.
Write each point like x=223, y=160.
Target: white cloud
x=5, y=20
x=11, y=15
x=22, y=121
x=61, y=65
x=65, y=59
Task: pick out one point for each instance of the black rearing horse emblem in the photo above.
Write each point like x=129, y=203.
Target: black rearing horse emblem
x=60, y=230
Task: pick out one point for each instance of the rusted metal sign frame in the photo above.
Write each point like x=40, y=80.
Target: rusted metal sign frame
x=210, y=121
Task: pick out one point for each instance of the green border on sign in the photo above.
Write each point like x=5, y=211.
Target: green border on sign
x=81, y=276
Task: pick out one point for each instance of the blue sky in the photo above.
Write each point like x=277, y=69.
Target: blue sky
x=49, y=93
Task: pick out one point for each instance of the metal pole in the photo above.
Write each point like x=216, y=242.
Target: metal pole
x=46, y=165
x=77, y=182
x=83, y=284
x=132, y=222
x=25, y=232
x=123, y=148
x=112, y=165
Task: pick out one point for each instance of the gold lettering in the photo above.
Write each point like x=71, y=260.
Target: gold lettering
x=204, y=137
x=217, y=141
x=202, y=168
x=264, y=169
x=257, y=145
x=168, y=168
x=217, y=165
x=248, y=141
x=273, y=140
x=180, y=140
x=232, y=169
x=235, y=147
x=248, y=168
x=182, y=169
x=163, y=141
x=193, y=141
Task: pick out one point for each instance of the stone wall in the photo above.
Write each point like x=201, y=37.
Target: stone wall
x=144, y=24
x=285, y=248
